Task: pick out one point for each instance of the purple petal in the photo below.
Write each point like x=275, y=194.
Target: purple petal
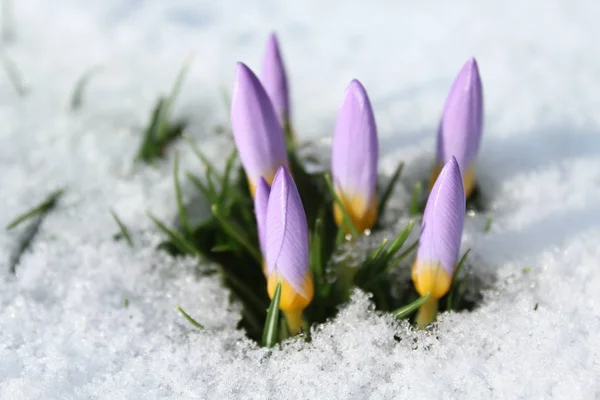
x=261, y=200
x=461, y=125
x=443, y=219
x=274, y=79
x=287, y=232
x=355, y=147
x=256, y=130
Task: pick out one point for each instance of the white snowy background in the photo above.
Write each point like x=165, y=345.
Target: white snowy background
x=65, y=331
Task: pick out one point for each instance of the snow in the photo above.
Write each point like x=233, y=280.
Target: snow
x=65, y=328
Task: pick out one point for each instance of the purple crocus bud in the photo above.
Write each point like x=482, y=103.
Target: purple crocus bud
x=441, y=233
x=257, y=133
x=460, y=128
x=287, y=250
x=354, y=158
x=274, y=79
x=261, y=200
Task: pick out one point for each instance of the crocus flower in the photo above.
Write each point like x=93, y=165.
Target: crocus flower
x=354, y=158
x=441, y=232
x=257, y=133
x=287, y=249
x=274, y=79
x=261, y=200
x=460, y=128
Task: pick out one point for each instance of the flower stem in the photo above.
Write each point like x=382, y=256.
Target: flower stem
x=294, y=320
x=427, y=312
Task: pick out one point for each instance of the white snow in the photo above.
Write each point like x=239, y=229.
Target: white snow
x=65, y=331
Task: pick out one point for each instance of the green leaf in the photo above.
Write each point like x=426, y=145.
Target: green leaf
x=389, y=189
x=316, y=251
x=401, y=238
x=183, y=217
x=415, y=202
x=450, y=303
x=14, y=76
x=207, y=164
x=345, y=214
x=226, y=99
x=176, y=238
x=488, y=224
x=80, y=85
x=406, y=252
x=164, y=116
x=405, y=311
x=235, y=232
x=221, y=248
x=190, y=319
x=123, y=228
x=46, y=206
x=211, y=197
x=270, y=331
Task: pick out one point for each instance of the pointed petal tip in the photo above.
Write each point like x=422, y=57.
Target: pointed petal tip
x=272, y=40
x=451, y=173
x=356, y=89
x=243, y=73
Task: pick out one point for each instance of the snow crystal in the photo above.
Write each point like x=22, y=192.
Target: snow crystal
x=86, y=317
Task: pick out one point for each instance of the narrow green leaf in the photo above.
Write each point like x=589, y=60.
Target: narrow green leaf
x=183, y=217
x=198, y=183
x=150, y=146
x=163, y=122
x=80, y=85
x=225, y=184
x=123, y=228
x=207, y=164
x=388, y=190
x=235, y=232
x=345, y=214
x=488, y=224
x=176, y=238
x=401, y=238
x=221, y=248
x=47, y=205
x=406, y=252
x=226, y=98
x=14, y=76
x=405, y=311
x=450, y=302
x=415, y=202
x=316, y=251
x=269, y=338
x=190, y=319
x=375, y=253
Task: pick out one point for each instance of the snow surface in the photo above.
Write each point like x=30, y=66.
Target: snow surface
x=65, y=331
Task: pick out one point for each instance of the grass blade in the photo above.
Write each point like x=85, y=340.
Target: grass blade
x=176, y=238
x=459, y=267
x=47, y=205
x=345, y=214
x=388, y=190
x=405, y=311
x=235, y=232
x=415, y=205
x=80, y=85
x=183, y=217
x=488, y=224
x=269, y=338
x=163, y=122
x=406, y=252
x=207, y=164
x=14, y=76
x=123, y=228
x=190, y=319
